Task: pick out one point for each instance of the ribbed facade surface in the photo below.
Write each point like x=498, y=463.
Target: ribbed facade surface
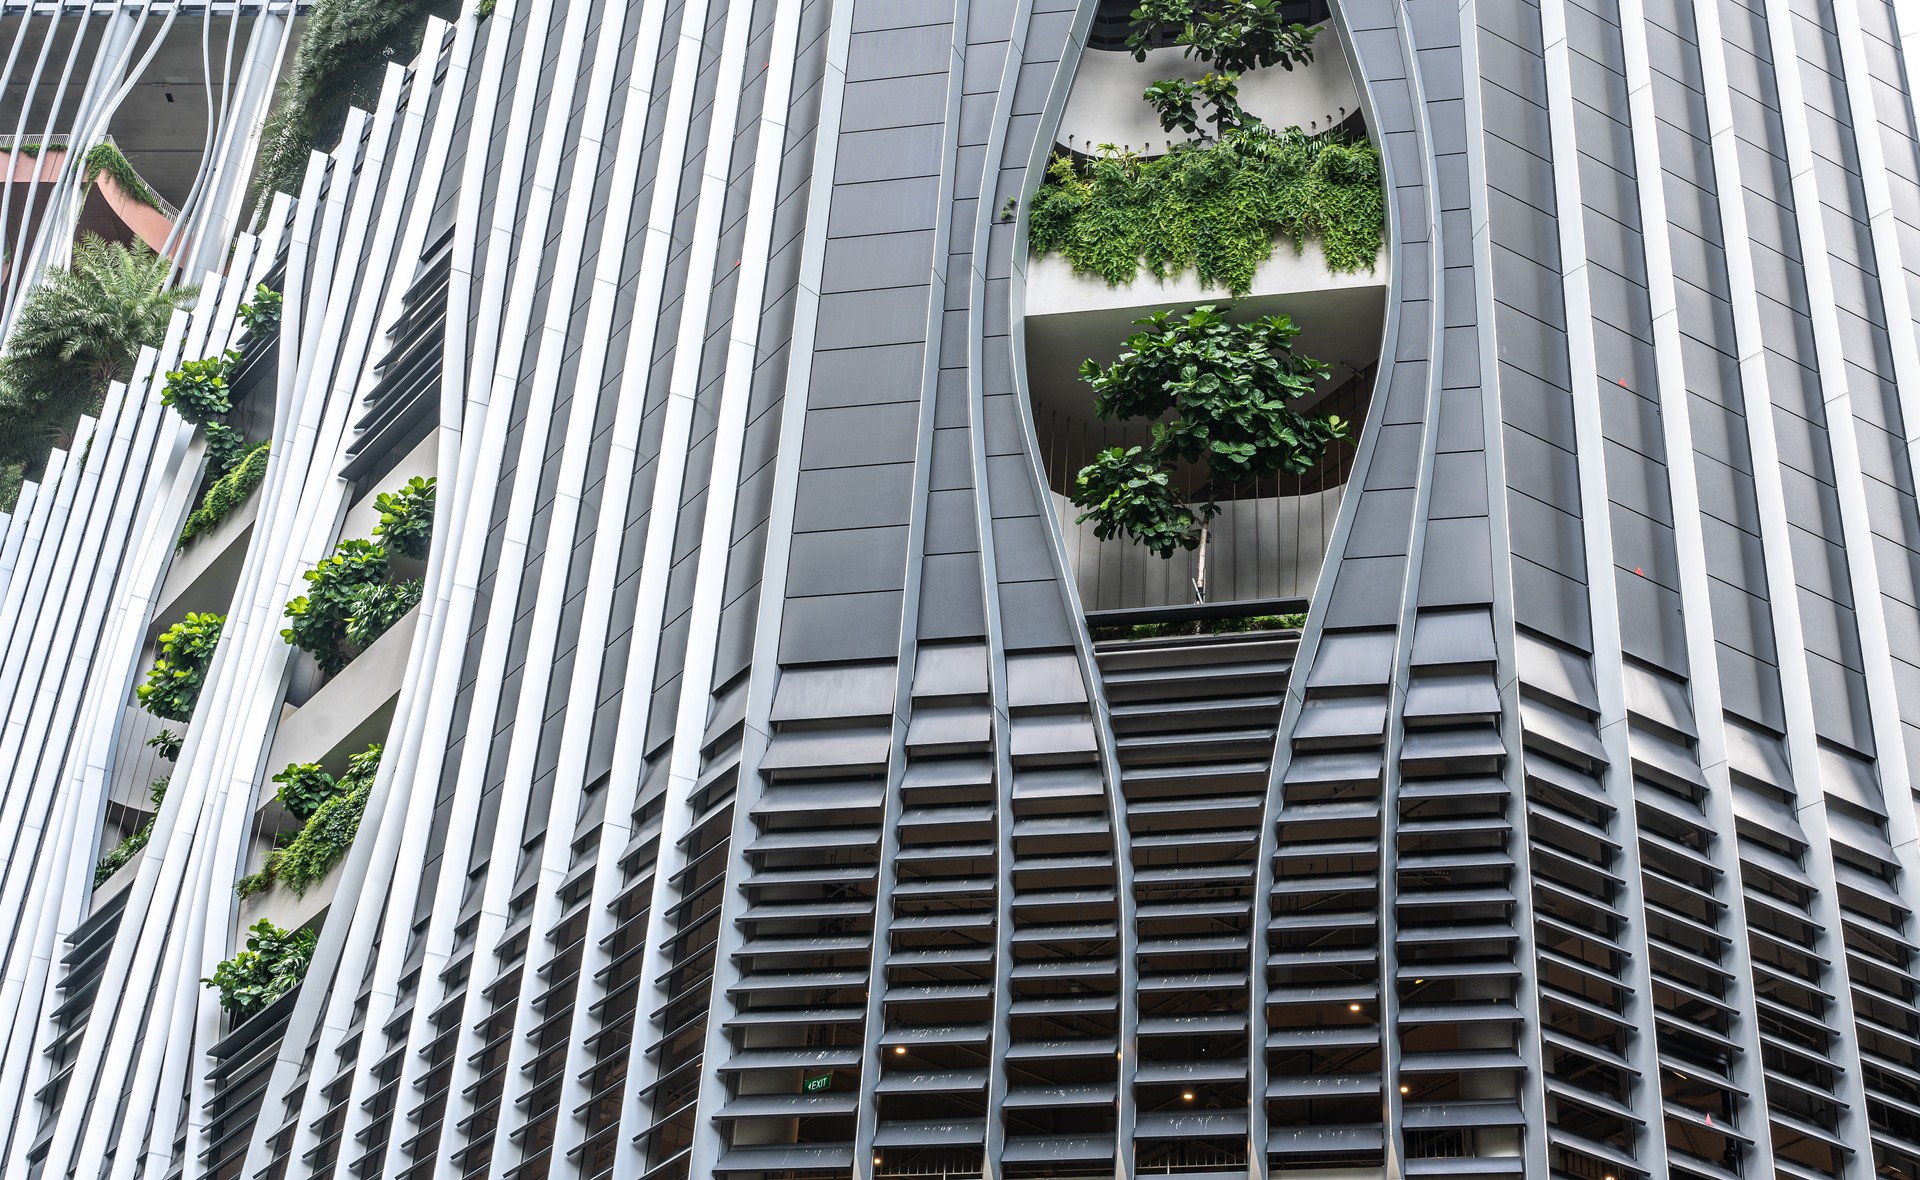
x=756, y=798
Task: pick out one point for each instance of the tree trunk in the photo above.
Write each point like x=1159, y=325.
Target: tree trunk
x=1200, y=577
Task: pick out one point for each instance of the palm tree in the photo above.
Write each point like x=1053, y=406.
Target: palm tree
x=79, y=330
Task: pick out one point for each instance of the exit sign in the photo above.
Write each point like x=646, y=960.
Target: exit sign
x=814, y=1085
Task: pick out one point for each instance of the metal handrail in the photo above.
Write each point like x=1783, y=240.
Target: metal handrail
x=1189, y=611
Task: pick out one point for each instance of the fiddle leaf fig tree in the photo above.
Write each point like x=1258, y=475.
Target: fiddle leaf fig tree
x=1232, y=35
x=406, y=518
x=173, y=683
x=1219, y=396
x=321, y=616
x=1175, y=99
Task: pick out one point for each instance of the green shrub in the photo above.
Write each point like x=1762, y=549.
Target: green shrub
x=334, y=591
x=325, y=836
x=351, y=597
x=1203, y=627
x=197, y=390
x=406, y=518
x=120, y=854
x=167, y=743
x=104, y=157
x=1216, y=209
x=304, y=787
x=129, y=847
x=378, y=608
x=227, y=493
x=272, y=964
x=173, y=683
x=261, y=314
x=225, y=448
x=1217, y=395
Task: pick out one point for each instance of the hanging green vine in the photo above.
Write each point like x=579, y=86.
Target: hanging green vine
x=104, y=157
x=227, y=493
x=1214, y=208
x=117, y=857
x=331, y=824
x=341, y=62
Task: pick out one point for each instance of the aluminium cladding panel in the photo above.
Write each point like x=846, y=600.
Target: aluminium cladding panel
x=1366, y=582
x=1023, y=525
x=1890, y=146
x=846, y=577
x=1799, y=412
x=1645, y=571
x=1861, y=336
x=753, y=507
x=1717, y=403
x=1550, y=575
x=684, y=266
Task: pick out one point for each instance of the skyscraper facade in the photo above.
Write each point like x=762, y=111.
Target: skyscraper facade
x=661, y=705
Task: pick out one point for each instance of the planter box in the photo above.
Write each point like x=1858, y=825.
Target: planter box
x=202, y=576
x=348, y=712
x=283, y=907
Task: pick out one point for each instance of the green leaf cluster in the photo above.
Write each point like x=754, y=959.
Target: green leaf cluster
x=1175, y=101
x=351, y=600
x=173, y=683
x=331, y=824
x=80, y=328
x=197, y=390
x=272, y=964
x=1128, y=492
x=105, y=157
x=1218, y=395
x=1235, y=35
x=120, y=854
x=227, y=493
x=225, y=447
x=406, y=518
x=261, y=314
x=378, y=608
x=167, y=743
x=1216, y=209
x=303, y=788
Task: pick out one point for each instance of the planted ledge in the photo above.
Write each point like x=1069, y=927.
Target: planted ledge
x=1299, y=279
x=120, y=882
x=202, y=575
x=348, y=712
x=285, y=908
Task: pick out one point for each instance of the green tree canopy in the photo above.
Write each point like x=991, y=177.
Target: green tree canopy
x=79, y=330
x=1234, y=36
x=1219, y=396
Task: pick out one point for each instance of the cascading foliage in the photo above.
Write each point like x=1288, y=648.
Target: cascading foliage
x=1216, y=208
